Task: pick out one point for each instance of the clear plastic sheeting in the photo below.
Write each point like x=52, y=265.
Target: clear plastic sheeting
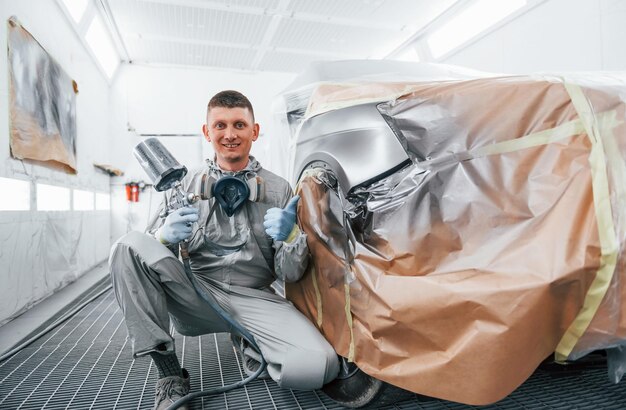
x=298, y=95
x=616, y=357
x=41, y=252
x=500, y=244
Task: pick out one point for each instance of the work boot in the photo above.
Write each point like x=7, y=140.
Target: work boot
x=169, y=389
x=250, y=358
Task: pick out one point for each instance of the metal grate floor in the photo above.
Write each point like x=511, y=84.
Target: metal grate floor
x=85, y=363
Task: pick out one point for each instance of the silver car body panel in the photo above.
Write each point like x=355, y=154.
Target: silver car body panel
x=355, y=142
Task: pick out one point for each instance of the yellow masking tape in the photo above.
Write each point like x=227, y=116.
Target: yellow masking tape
x=349, y=319
x=371, y=92
x=295, y=231
x=615, y=163
x=544, y=137
x=606, y=229
x=318, y=297
x=565, y=130
x=332, y=106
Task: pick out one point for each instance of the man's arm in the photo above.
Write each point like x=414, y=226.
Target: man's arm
x=291, y=258
x=291, y=251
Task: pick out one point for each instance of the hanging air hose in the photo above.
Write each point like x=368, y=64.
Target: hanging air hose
x=235, y=327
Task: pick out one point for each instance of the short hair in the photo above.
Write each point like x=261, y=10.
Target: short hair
x=230, y=99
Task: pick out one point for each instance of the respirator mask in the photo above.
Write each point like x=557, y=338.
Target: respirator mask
x=231, y=192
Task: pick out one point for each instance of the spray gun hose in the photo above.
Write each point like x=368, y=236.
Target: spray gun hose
x=234, y=327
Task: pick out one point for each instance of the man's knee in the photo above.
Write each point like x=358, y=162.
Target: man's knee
x=135, y=246
x=309, y=369
x=332, y=364
x=124, y=243
x=123, y=253
x=139, y=241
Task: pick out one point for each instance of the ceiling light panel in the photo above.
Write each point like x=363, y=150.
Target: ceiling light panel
x=415, y=14
x=261, y=4
x=162, y=52
x=144, y=19
x=99, y=40
x=391, y=13
x=76, y=8
x=469, y=22
x=286, y=62
x=334, y=38
x=348, y=8
x=279, y=35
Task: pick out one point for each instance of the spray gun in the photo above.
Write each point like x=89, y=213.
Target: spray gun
x=166, y=174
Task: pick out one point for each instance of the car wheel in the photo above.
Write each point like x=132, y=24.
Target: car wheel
x=354, y=389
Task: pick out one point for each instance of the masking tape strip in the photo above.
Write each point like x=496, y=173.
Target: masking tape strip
x=295, y=232
x=349, y=319
x=310, y=172
x=332, y=106
x=606, y=229
x=565, y=130
x=616, y=164
x=544, y=137
x=372, y=93
x=318, y=297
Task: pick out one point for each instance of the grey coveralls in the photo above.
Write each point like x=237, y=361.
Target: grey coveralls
x=151, y=286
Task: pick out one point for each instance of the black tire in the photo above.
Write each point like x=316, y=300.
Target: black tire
x=355, y=389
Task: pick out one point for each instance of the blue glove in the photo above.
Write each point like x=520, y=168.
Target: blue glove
x=280, y=222
x=177, y=226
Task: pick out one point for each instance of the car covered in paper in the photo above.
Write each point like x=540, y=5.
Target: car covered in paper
x=462, y=226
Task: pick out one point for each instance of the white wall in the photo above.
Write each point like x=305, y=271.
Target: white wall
x=42, y=251
x=555, y=36
x=165, y=100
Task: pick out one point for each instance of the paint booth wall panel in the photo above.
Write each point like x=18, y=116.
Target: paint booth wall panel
x=43, y=251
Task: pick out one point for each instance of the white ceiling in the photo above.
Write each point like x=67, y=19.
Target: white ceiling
x=264, y=35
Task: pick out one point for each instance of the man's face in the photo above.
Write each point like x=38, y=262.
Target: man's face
x=231, y=132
